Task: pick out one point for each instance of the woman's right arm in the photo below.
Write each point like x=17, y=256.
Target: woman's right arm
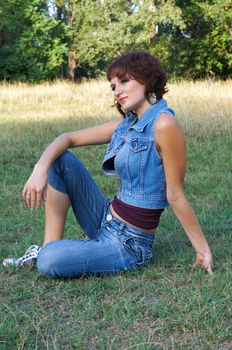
x=37, y=183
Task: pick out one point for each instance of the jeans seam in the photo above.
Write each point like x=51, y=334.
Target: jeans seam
x=86, y=206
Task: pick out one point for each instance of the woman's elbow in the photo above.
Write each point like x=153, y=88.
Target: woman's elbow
x=174, y=196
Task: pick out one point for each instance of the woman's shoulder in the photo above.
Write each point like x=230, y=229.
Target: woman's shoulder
x=168, y=127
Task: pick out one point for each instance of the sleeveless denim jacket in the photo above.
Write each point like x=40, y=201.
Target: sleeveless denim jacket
x=137, y=162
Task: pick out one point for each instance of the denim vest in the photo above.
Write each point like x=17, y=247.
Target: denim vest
x=137, y=162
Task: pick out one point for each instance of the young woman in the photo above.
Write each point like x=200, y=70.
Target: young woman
x=146, y=152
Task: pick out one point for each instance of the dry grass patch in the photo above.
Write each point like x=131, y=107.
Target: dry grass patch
x=202, y=107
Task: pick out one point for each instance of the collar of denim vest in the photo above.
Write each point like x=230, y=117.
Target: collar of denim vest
x=148, y=115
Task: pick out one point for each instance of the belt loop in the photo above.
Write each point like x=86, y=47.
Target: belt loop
x=121, y=227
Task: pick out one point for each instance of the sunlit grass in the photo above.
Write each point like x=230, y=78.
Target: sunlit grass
x=202, y=107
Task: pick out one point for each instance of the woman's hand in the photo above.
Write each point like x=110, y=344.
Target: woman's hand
x=35, y=188
x=205, y=260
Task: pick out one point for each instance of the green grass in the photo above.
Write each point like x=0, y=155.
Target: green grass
x=163, y=306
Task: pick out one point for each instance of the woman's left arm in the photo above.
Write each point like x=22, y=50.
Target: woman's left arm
x=170, y=142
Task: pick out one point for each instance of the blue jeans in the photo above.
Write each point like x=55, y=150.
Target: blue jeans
x=112, y=246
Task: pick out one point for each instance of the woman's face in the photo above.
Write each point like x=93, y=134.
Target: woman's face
x=130, y=94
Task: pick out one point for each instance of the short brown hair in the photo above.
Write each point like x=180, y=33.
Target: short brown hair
x=144, y=68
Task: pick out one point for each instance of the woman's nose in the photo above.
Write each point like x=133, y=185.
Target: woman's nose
x=117, y=91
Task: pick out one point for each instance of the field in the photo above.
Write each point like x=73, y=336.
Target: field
x=163, y=306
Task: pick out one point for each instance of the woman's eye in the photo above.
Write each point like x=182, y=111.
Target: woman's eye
x=113, y=88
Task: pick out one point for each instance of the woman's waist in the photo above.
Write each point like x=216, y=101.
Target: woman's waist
x=118, y=217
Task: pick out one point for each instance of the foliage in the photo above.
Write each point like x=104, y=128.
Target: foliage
x=103, y=29
x=33, y=44
x=44, y=39
x=203, y=48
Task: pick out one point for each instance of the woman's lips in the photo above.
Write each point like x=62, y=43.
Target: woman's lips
x=121, y=100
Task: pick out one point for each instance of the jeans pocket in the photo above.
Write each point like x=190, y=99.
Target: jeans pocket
x=139, y=253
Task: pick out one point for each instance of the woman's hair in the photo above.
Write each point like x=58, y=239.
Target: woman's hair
x=144, y=68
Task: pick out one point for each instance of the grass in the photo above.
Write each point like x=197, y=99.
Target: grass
x=163, y=306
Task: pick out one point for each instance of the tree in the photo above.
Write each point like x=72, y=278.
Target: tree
x=33, y=44
x=102, y=29
x=63, y=11
x=218, y=41
x=202, y=48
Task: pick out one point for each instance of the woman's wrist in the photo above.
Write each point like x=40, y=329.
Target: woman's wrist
x=204, y=250
x=41, y=166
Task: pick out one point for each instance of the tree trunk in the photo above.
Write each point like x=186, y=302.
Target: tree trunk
x=71, y=64
x=71, y=54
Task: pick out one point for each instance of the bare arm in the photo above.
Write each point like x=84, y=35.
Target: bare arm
x=37, y=182
x=171, y=145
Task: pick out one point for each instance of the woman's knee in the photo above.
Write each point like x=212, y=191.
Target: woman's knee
x=60, y=171
x=61, y=162
x=47, y=260
x=64, y=166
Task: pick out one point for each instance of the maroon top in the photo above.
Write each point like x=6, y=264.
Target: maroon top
x=143, y=218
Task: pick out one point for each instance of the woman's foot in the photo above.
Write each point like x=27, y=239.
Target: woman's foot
x=28, y=259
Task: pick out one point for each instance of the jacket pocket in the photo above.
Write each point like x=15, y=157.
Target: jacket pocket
x=138, y=145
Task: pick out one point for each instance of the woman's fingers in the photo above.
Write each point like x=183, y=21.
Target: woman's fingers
x=33, y=198
x=24, y=192
x=206, y=262
x=45, y=193
x=27, y=197
x=39, y=198
x=209, y=269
